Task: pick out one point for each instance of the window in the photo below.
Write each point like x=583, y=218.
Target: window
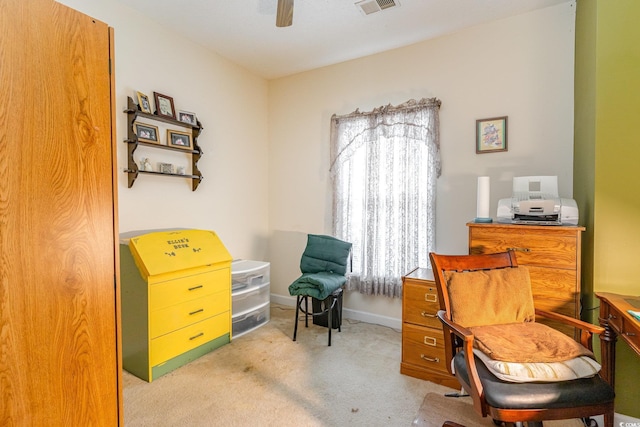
x=384, y=167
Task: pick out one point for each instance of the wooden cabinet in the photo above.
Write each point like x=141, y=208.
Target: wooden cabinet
x=176, y=299
x=133, y=114
x=552, y=255
x=59, y=287
x=423, y=354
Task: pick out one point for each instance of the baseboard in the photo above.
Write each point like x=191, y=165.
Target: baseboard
x=360, y=316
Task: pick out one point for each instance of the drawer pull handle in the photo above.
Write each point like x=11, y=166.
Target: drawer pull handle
x=425, y=314
x=196, y=336
x=196, y=312
x=630, y=334
x=196, y=287
x=429, y=359
x=430, y=297
x=430, y=341
x=526, y=250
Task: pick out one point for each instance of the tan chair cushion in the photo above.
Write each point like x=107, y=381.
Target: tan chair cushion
x=526, y=342
x=490, y=297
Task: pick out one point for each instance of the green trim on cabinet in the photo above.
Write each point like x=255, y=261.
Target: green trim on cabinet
x=189, y=356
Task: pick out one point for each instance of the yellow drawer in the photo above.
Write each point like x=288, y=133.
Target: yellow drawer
x=187, y=288
x=171, y=345
x=545, y=249
x=423, y=347
x=178, y=316
x=420, y=303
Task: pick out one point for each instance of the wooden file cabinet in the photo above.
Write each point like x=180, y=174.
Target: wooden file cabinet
x=176, y=300
x=552, y=255
x=423, y=354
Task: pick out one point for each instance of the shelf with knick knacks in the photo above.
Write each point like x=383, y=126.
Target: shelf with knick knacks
x=181, y=136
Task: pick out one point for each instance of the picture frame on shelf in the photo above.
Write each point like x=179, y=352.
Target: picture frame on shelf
x=164, y=105
x=188, y=117
x=165, y=168
x=491, y=135
x=147, y=133
x=178, y=139
x=143, y=103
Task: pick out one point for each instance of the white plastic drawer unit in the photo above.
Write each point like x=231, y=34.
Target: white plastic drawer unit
x=249, y=298
x=248, y=321
x=246, y=273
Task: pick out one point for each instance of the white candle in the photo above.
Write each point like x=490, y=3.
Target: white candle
x=483, y=197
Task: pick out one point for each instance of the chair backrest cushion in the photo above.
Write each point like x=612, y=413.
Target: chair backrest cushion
x=487, y=297
x=325, y=253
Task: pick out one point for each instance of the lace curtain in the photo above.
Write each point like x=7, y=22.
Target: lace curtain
x=384, y=166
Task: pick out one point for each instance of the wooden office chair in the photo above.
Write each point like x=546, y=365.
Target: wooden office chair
x=477, y=292
x=324, y=265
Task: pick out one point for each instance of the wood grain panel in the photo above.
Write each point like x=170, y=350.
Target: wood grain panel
x=58, y=362
x=424, y=347
x=552, y=255
x=420, y=303
x=532, y=248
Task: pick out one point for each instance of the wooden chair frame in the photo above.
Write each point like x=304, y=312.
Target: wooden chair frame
x=457, y=337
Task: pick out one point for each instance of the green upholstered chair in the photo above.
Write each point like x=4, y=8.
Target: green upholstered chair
x=324, y=265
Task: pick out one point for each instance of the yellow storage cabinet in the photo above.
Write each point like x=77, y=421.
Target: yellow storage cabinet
x=176, y=299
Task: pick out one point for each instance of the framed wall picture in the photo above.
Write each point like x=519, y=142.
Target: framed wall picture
x=491, y=135
x=164, y=105
x=187, y=117
x=146, y=133
x=179, y=139
x=143, y=103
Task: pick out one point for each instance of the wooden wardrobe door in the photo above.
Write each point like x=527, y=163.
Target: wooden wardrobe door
x=59, y=361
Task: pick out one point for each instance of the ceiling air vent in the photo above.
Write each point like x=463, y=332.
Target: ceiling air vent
x=371, y=6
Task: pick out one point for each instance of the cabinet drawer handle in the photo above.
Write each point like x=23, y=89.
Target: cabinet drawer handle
x=430, y=297
x=425, y=314
x=429, y=359
x=196, y=336
x=196, y=312
x=196, y=287
x=526, y=250
x=430, y=341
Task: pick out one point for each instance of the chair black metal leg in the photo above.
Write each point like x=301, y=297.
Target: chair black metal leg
x=330, y=325
x=295, y=328
x=306, y=311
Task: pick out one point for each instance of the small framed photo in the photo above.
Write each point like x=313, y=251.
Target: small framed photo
x=164, y=105
x=146, y=133
x=143, y=103
x=179, y=139
x=491, y=135
x=165, y=168
x=187, y=117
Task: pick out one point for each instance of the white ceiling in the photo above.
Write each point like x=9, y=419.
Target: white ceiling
x=324, y=32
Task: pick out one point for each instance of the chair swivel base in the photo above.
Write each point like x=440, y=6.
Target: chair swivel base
x=329, y=309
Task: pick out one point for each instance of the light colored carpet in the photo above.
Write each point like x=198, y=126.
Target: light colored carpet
x=265, y=379
x=436, y=409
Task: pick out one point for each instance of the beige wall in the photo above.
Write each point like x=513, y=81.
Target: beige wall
x=230, y=102
x=266, y=184
x=521, y=67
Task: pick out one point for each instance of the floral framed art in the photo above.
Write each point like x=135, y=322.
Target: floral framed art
x=491, y=135
x=164, y=105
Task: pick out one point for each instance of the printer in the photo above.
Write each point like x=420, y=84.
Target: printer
x=535, y=200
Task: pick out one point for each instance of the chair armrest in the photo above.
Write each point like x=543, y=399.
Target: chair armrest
x=586, y=329
x=477, y=391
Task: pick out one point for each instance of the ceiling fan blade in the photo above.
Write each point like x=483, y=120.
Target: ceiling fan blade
x=284, y=16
